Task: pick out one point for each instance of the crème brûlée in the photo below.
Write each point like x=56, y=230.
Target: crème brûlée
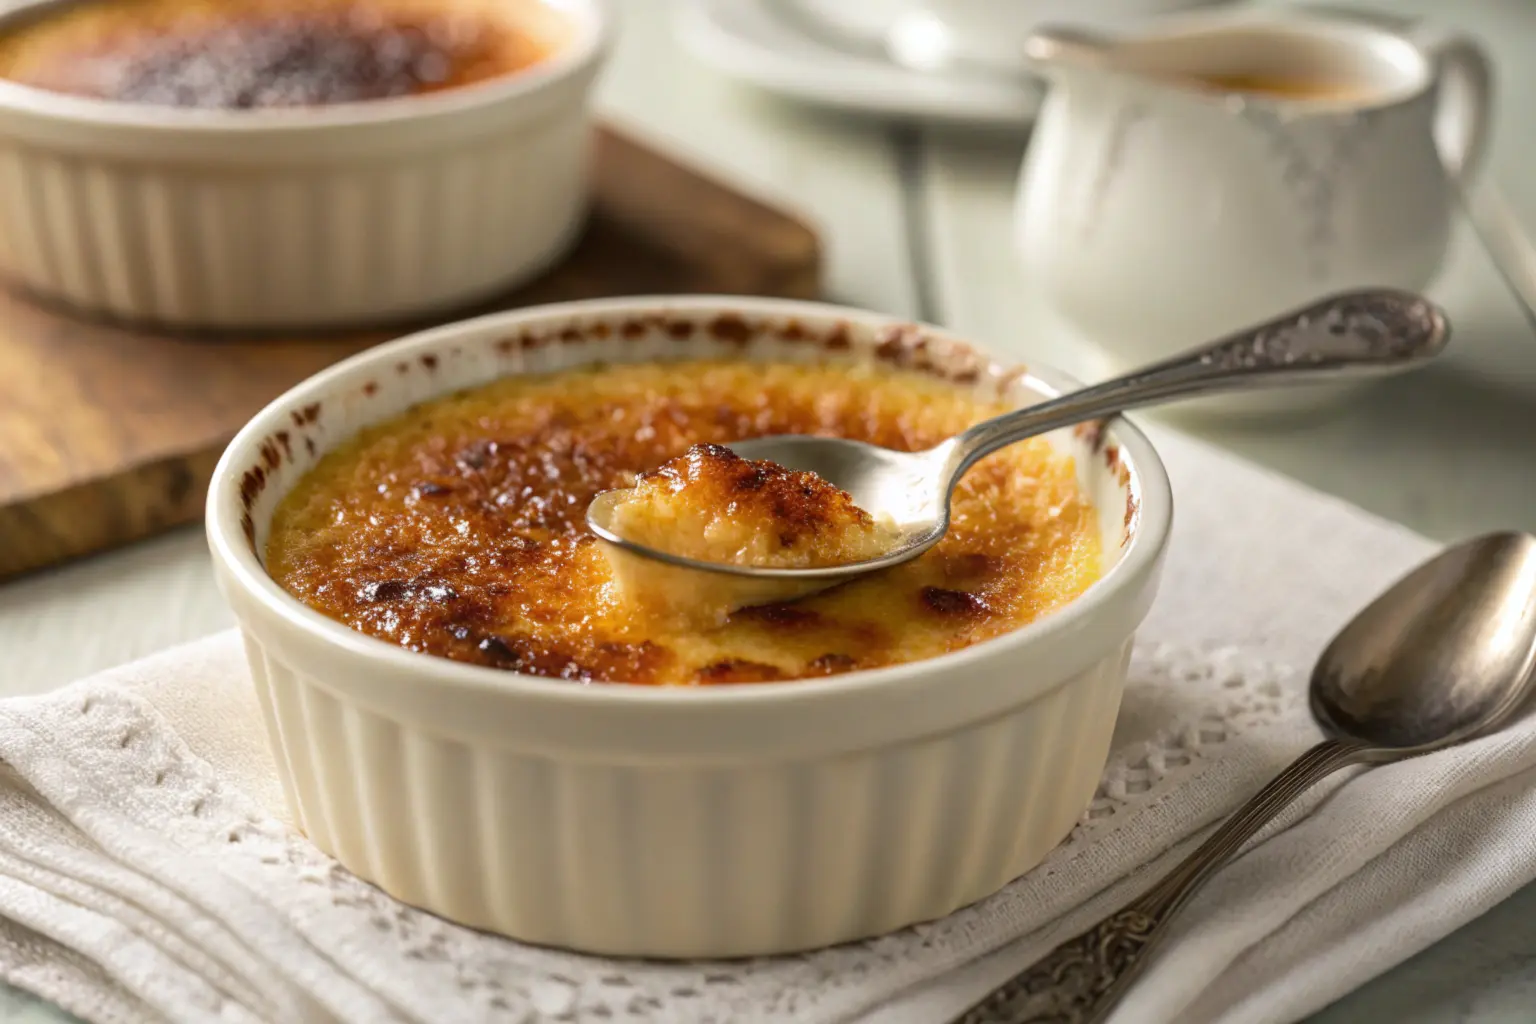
x=232, y=54
x=458, y=529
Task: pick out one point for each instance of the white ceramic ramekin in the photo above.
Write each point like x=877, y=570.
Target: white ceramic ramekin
x=716, y=821
x=353, y=213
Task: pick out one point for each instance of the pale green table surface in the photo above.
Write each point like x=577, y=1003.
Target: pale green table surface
x=916, y=223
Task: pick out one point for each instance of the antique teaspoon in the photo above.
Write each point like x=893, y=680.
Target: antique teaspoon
x=1355, y=334
x=1449, y=652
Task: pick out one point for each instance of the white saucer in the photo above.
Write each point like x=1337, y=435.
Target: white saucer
x=760, y=42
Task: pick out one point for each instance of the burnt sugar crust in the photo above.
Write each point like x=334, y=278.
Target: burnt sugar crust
x=240, y=54
x=457, y=529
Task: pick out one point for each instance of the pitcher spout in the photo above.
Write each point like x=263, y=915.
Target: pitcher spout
x=1052, y=51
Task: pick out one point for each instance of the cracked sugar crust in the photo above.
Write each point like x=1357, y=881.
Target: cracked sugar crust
x=275, y=53
x=458, y=529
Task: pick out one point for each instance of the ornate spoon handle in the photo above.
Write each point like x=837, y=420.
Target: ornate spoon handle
x=1359, y=333
x=1081, y=980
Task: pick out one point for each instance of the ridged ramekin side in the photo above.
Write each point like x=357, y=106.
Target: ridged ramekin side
x=688, y=858
x=307, y=244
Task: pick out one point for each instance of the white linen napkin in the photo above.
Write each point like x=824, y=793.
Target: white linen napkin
x=148, y=872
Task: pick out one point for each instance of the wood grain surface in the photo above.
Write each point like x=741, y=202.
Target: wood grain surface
x=109, y=434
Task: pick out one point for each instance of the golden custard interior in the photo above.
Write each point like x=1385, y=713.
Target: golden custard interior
x=234, y=54
x=458, y=528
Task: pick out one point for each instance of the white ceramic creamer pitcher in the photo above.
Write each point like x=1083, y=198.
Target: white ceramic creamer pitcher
x=1223, y=168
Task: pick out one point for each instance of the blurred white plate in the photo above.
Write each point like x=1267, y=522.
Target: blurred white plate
x=763, y=42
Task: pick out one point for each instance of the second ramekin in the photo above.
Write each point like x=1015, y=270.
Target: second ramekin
x=680, y=821
x=357, y=213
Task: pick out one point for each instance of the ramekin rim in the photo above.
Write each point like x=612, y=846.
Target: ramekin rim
x=595, y=18
x=228, y=545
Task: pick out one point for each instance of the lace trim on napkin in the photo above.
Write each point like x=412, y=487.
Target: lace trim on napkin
x=313, y=940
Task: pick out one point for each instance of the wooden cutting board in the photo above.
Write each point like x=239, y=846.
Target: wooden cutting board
x=109, y=434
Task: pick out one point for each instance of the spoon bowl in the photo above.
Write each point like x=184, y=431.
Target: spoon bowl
x=1390, y=679
x=897, y=483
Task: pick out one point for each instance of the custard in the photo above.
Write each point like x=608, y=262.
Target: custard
x=458, y=528
x=235, y=54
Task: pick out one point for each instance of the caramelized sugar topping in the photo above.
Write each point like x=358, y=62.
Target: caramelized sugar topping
x=458, y=529
x=273, y=53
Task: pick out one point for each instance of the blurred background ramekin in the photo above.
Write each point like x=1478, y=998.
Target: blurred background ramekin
x=355, y=213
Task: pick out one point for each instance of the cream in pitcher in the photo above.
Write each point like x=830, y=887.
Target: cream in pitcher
x=1225, y=167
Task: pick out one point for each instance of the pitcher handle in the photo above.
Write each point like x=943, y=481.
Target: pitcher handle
x=1465, y=108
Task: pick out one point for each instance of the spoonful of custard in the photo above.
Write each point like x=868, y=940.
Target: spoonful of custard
x=712, y=505
x=775, y=518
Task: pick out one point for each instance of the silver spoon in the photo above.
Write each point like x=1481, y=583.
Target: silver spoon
x=1361, y=333
x=1449, y=652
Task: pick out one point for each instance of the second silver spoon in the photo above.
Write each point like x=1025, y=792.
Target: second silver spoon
x=1445, y=654
x=1354, y=334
